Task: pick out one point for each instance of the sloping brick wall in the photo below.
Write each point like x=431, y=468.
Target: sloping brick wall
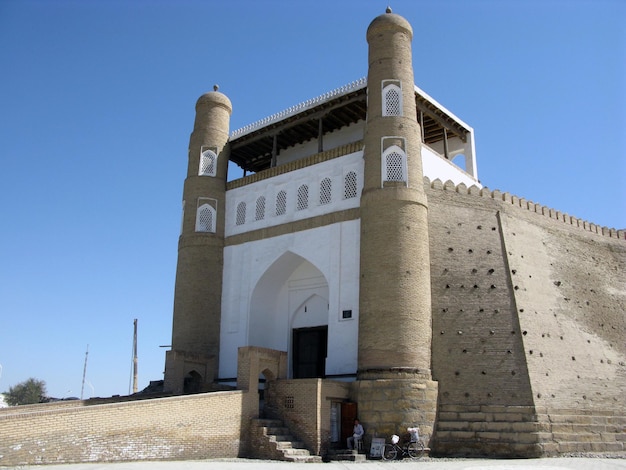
x=184, y=427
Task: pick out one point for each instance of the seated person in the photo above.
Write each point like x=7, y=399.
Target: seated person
x=357, y=434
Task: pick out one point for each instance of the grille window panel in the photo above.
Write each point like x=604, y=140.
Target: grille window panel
x=326, y=191
x=395, y=166
x=260, y=208
x=205, y=219
x=208, y=163
x=241, y=213
x=281, y=203
x=349, y=185
x=303, y=197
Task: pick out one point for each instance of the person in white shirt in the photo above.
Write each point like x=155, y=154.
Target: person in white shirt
x=357, y=434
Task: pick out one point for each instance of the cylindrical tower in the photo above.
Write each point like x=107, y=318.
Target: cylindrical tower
x=395, y=328
x=192, y=363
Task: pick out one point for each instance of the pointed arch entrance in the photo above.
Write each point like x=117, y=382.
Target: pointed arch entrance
x=289, y=312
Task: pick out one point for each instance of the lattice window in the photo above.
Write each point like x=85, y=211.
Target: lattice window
x=205, y=219
x=303, y=197
x=241, y=213
x=392, y=98
x=208, y=163
x=395, y=167
x=349, y=185
x=394, y=164
x=281, y=203
x=260, y=208
x=326, y=191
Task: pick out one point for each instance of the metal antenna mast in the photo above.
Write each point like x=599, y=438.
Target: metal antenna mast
x=82, y=387
x=135, y=357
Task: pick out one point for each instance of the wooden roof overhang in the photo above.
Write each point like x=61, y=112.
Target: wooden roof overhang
x=253, y=150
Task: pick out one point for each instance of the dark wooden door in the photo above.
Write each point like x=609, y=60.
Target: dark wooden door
x=309, y=352
x=348, y=415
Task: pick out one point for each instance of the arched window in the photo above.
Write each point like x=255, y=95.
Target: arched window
x=205, y=219
x=392, y=98
x=241, y=213
x=349, y=185
x=394, y=160
x=303, y=197
x=208, y=163
x=260, y=208
x=281, y=203
x=326, y=191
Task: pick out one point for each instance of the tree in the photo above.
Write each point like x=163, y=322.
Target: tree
x=26, y=393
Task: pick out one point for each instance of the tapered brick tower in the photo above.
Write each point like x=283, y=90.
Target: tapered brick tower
x=192, y=363
x=395, y=331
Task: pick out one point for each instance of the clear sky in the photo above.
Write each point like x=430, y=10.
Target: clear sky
x=97, y=103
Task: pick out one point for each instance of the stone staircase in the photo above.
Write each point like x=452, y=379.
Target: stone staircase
x=273, y=441
x=579, y=431
x=527, y=432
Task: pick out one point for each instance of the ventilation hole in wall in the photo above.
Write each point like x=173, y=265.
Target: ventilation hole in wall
x=456, y=372
x=496, y=311
x=561, y=338
x=467, y=395
x=514, y=271
x=601, y=361
x=513, y=233
x=481, y=310
x=444, y=310
x=557, y=283
x=447, y=286
x=522, y=256
x=525, y=332
x=470, y=251
x=480, y=227
x=460, y=310
x=529, y=276
x=493, y=286
x=484, y=373
x=450, y=250
x=474, y=271
x=488, y=252
x=462, y=286
x=589, y=341
x=513, y=372
x=508, y=351
x=516, y=287
x=465, y=351
x=491, y=271
x=540, y=354
x=573, y=358
x=584, y=397
x=521, y=310
x=475, y=286
x=587, y=302
x=530, y=352
x=539, y=395
x=543, y=335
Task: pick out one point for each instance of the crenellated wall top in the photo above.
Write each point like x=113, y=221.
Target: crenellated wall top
x=525, y=204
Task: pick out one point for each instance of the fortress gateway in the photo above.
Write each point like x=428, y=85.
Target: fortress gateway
x=361, y=268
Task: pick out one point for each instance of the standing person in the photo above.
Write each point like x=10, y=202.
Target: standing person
x=357, y=434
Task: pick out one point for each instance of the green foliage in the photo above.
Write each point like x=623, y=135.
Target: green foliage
x=26, y=393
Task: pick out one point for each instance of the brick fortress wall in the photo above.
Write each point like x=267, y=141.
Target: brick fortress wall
x=528, y=325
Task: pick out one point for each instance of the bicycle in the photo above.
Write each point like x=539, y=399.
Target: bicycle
x=414, y=448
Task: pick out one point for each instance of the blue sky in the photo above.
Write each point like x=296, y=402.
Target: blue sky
x=97, y=103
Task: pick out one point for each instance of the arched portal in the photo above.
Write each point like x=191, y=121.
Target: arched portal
x=289, y=312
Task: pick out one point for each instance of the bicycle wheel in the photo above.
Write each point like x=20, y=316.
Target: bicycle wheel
x=389, y=452
x=415, y=450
